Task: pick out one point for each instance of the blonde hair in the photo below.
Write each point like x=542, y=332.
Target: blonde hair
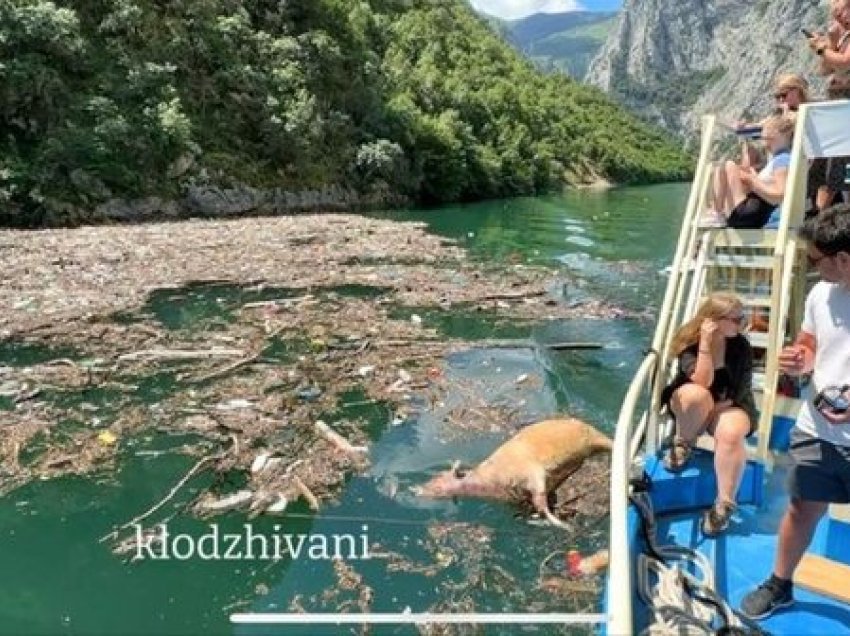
x=718, y=305
x=790, y=81
x=781, y=125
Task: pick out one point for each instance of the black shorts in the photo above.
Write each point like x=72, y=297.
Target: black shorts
x=751, y=213
x=821, y=470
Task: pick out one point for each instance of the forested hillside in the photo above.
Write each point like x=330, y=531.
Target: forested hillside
x=106, y=99
x=565, y=42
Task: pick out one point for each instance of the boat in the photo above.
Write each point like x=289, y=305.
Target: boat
x=664, y=576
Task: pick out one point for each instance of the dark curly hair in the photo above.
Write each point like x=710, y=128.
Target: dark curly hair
x=829, y=231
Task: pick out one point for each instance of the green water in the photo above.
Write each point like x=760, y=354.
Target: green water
x=58, y=579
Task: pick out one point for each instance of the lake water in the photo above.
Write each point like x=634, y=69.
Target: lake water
x=58, y=579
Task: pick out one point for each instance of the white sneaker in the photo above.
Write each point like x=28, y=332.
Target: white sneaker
x=712, y=219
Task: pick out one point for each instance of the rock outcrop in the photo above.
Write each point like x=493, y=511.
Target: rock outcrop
x=675, y=60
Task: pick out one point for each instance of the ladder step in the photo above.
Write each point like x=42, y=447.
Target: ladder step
x=730, y=237
x=751, y=300
x=745, y=261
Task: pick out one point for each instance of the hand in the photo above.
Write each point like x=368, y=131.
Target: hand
x=792, y=360
x=818, y=42
x=836, y=418
x=747, y=176
x=707, y=331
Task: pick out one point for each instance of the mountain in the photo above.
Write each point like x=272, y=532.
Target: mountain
x=674, y=61
x=414, y=99
x=562, y=41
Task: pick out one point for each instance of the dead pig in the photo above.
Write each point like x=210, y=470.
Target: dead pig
x=532, y=464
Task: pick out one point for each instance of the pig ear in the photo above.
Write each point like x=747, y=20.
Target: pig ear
x=456, y=469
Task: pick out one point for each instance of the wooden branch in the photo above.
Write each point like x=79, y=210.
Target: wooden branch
x=527, y=344
x=173, y=491
x=338, y=440
x=514, y=295
x=277, y=302
x=312, y=500
x=180, y=354
x=228, y=368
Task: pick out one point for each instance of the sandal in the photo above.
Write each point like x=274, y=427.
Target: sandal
x=716, y=519
x=678, y=455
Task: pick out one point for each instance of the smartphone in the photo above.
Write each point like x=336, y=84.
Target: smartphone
x=832, y=398
x=807, y=33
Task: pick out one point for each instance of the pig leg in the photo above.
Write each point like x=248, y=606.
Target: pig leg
x=540, y=500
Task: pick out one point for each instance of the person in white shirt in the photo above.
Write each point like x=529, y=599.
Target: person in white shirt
x=744, y=198
x=820, y=441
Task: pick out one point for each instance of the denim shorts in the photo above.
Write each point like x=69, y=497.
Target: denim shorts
x=821, y=470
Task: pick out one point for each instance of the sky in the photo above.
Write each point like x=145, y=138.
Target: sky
x=511, y=9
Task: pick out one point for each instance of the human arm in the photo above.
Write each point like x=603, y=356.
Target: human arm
x=826, y=46
x=773, y=192
x=702, y=371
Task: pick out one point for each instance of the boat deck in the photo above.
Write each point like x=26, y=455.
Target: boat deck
x=743, y=557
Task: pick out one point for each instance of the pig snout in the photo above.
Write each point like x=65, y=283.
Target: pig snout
x=446, y=484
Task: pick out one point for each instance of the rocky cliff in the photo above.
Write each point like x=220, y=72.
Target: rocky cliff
x=675, y=60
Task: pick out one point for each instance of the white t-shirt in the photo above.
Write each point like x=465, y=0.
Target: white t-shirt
x=827, y=318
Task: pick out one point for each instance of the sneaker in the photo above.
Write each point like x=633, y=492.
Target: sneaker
x=770, y=596
x=716, y=519
x=711, y=219
x=678, y=456
x=711, y=222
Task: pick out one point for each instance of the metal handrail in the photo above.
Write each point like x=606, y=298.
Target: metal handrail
x=619, y=574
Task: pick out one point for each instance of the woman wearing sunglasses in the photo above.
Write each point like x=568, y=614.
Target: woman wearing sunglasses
x=712, y=392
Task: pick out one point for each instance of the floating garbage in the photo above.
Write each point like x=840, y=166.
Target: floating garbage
x=239, y=499
x=279, y=507
x=260, y=462
x=107, y=438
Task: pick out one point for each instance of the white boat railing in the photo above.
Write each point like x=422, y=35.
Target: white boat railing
x=635, y=436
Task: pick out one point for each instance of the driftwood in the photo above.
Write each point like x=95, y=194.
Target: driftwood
x=514, y=295
x=278, y=302
x=201, y=462
x=227, y=369
x=180, y=354
x=528, y=344
x=312, y=500
x=338, y=440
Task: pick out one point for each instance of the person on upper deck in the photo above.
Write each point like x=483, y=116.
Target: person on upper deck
x=789, y=91
x=713, y=392
x=820, y=440
x=827, y=177
x=744, y=198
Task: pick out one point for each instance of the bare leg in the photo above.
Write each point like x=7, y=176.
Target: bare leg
x=720, y=191
x=737, y=191
x=537, y=486
x=692, y=405
x=730, y=452
x=795, y=533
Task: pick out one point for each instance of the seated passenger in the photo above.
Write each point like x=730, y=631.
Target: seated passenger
x=789, y=91
x=744, y=198
x=827, y=177
x=713, y=392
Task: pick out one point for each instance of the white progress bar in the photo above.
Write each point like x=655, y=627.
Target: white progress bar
x=268, y=618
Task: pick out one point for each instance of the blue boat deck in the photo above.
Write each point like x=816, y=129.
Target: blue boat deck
x=743, y=556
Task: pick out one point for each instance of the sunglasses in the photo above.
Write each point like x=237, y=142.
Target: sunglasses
x=782, y=95
x=738, y=319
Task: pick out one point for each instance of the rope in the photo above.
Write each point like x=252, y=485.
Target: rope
x=683, y=604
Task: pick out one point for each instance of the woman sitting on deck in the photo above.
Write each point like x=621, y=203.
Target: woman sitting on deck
x=713, y=392
x=744, y=198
